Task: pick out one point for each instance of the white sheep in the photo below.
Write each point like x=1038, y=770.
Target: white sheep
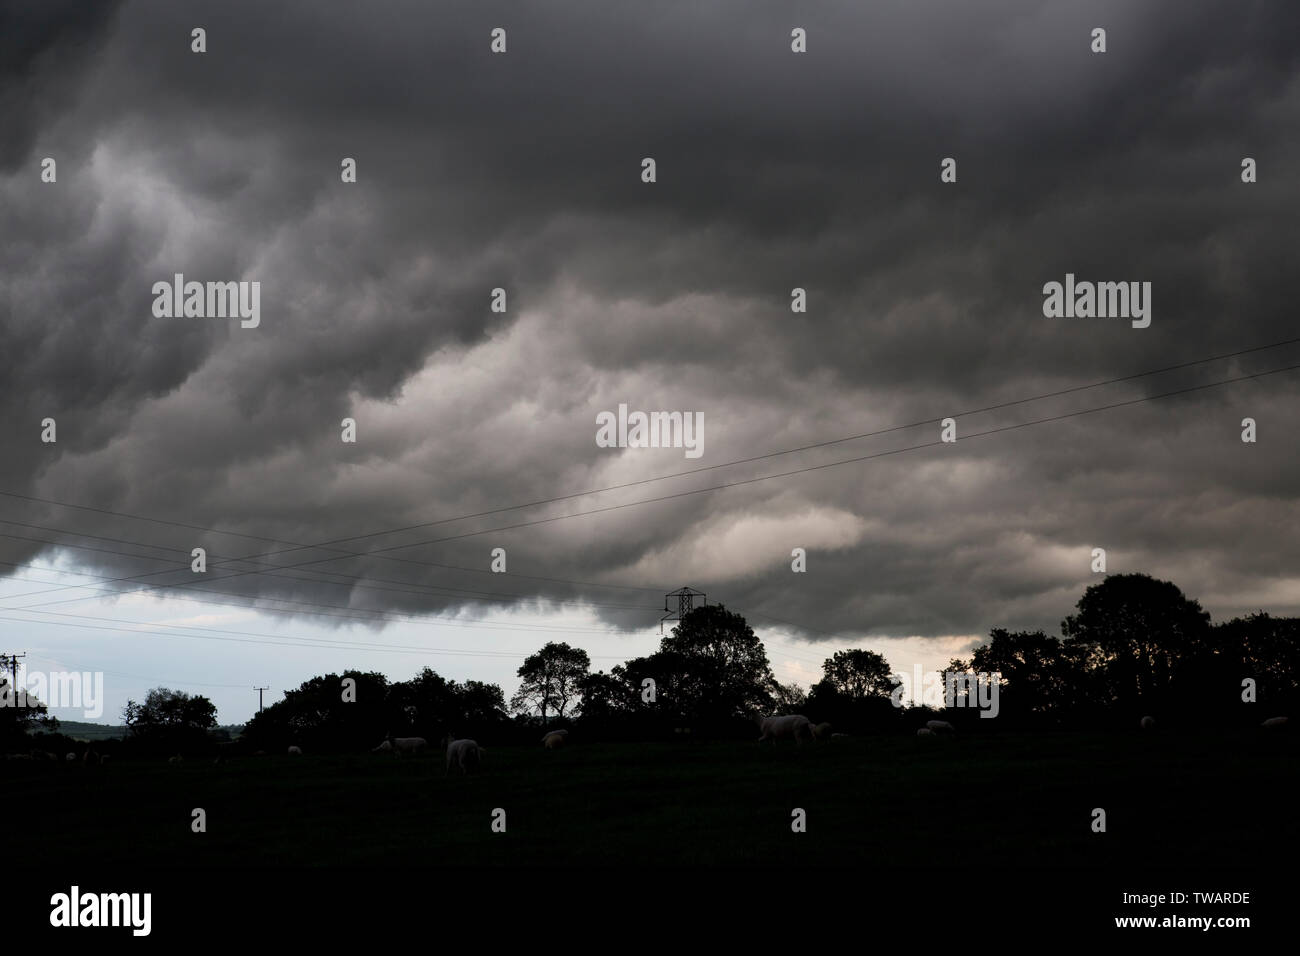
x=555, y=739
x=103, y=759
x=1148, y=723
x=794, y=726
x=822, y=731
x=71, y=758
x=466, y=754
x=924, y=732
x=940, y=727
x=295, y=750
x=1274, y=723
x=402, y=745
x=177, y=759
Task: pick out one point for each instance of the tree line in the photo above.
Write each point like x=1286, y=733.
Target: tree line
x=1134, y=645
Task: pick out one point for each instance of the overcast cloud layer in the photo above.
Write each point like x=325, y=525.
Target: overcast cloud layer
x=775, y=170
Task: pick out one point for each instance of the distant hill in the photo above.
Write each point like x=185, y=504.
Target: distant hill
x=79, y=730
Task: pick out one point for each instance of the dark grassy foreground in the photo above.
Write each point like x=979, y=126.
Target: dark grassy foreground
x=977, y=801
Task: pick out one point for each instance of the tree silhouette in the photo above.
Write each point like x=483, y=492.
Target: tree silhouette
x=20, y=712
x=606, y=697
x=551, y=678
x=788, y=698
x=170, y=720
x=315, y=715
x=1040, y=674
x=1135, y=630
x=857, y=673
x=711, y=667
x=854, y=692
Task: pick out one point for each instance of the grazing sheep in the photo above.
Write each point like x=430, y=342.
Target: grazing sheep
x=177, y=759
x=1274, y=723
x=89, y=758
x=402, y=745
x=295, y=750
x=555, y=739
x=71, y=758
x=940, y=727
x=1148, y=723
x=464, y=754
x=103, y=759
x=822, y=731
x=924, y=732
x=794, y=726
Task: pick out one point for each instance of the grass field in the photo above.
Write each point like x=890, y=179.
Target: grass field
x=999, y=800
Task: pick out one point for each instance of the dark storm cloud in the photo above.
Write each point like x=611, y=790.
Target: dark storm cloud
x=775, y=170
x=45, y=50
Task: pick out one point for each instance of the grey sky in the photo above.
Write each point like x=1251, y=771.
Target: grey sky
x=522, y=171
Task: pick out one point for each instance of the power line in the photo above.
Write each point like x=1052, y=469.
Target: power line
x=785, y=474
x=992, y=431
x=410, y=587
x=287, y=641
x=521, y=629
x=790, y=451
x=387, y=616
x=297, y=546
x=500, y=599
x=745, y=481
x=987, y=432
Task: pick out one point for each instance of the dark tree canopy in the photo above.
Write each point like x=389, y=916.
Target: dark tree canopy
x=320, y=716
x=855, y=691
x=788, y=698
x=712, y=667
x=1135, y=629
x=551, y=680
x=858, y=673
x=605, y=697
x=20, y=713
x=1040, y=674
x=170, y=720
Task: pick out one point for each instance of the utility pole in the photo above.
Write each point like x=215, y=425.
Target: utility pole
x=259, y=697
x=13, y=670
x=11, y=691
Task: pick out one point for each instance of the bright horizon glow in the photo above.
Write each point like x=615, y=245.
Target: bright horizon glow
x=137, y=641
